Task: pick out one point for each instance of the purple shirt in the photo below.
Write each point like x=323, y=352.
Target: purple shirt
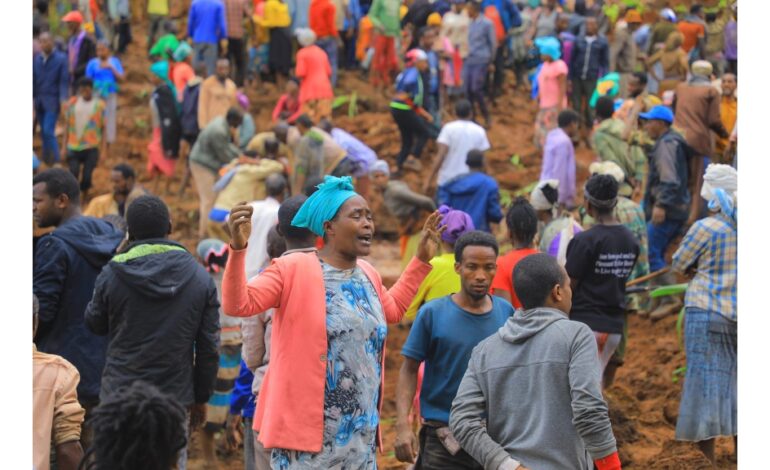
x=357, y=150
x=731, y=40
x=559, y=164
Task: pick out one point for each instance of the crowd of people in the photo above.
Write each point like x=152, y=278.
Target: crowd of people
x=274, y=330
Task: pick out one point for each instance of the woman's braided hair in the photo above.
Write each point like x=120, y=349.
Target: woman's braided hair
x=136, y=428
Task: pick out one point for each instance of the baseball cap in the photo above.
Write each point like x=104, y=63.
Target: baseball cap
x=73, y=17
x=659, y=113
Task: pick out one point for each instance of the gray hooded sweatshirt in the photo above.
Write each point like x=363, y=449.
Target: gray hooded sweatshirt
x=537, y=384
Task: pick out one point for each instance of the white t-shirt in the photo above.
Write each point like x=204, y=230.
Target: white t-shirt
x=461, y=137
x=263, y=218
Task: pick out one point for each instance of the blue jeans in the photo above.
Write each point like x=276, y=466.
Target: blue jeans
x=206, y=54
x=329, y=45
x=48, y=130
x=474, y=77
x=658, y=239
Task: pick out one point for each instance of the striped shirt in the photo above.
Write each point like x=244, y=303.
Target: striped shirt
x=711, y=246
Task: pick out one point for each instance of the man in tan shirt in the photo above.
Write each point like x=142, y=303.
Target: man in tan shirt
x=56, y=413
x=217, y=94
x=697, y=113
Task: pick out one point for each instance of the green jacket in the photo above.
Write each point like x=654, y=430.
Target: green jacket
x=609, y=145
x=384, y=15
x=214, y=147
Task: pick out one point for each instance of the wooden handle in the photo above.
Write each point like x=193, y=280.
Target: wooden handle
x=646, y=278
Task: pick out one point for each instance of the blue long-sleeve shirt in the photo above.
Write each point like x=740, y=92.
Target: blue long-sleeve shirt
x=50, y=81
x=242, y=399
x=476, y=194
x=481, y=41
x=299, y=11
x=206, y=23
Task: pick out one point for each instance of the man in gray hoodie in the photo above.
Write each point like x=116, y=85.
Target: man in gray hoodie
x=537, y=383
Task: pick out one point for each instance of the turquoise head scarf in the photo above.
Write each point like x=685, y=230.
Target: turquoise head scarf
x=182, y=51
x=324, y=204
x=549, y=46
x=161, y=69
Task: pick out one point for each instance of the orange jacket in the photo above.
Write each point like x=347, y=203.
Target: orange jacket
x=323, y=18
x=290, y=409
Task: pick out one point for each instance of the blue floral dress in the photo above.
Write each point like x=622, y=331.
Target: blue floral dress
x=356, y=330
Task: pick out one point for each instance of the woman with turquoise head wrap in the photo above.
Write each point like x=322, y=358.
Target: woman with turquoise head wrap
x=163, y=149
x=329, y=305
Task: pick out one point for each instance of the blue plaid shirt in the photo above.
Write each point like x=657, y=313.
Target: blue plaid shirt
x=711, y=246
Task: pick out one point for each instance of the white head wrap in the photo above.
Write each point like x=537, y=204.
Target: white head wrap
x=305, y=36
x=608, y=168
x=720, y=183
x=380, y=166
x=537, y=198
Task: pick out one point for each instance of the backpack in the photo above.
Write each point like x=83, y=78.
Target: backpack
x=190, y=110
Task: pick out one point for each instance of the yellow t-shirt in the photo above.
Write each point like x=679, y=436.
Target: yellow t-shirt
x=440, y=282
x=157, y=7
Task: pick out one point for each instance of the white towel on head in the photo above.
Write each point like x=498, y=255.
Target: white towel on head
x=538, y=199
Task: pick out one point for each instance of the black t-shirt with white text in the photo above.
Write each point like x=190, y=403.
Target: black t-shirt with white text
x=601, y=260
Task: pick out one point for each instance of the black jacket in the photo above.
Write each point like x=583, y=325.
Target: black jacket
x=668, y=181
x=589, y=62
x=66, y=265
x=161, y=312
x=85, y=54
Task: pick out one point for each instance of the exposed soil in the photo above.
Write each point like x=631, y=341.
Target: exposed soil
x=644, y=401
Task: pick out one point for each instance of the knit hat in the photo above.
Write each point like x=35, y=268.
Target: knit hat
x=213, y=253
x=457, y=223
x=702, y=68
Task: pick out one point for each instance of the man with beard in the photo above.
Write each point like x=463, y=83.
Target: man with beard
x=443, y=335
x=124, y=191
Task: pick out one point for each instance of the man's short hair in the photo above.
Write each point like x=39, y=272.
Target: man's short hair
x=125, y=169
x=286, y=213
x=475, y=159
x=304, y=121
x=148, y=217
x=641, y=76
x=84, y=82
x=567, y=117
x=311, y=185
x=463, y=108
x=234, y=117
x=521, y=220
x=139, y=427
x=605, y=107
x=534, y=277
x=696, y=9
x=59, y=181
x=474, y=238
x=326, y=125
x=275, y=184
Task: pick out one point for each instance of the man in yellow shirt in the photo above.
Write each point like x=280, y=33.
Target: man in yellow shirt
x=728, y=108
x=124, y=191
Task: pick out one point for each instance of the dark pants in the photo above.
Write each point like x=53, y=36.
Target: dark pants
x=47, y=120
x=499, y=75
x=350, y=61
x=414, y=133
x=155, y=29
x=329, y=45
x=87, y=159
x=474, y=77
x=124, y=35
x=659, y=237
x=434, y=456
x=236, y=52
x=583, y=89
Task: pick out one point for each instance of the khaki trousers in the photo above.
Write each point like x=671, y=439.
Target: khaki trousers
x=204, y=183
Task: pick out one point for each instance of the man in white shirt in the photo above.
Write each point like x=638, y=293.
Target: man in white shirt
x=456, y=139
x=264, y=217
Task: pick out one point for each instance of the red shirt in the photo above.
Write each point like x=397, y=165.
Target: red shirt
x=504, y=277
x=322, y=18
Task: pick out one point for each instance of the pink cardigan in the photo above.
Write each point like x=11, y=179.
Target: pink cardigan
x=289, y=411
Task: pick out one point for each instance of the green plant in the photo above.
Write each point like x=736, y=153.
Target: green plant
x=679, y=372
x=516, y=161
x=526, y=189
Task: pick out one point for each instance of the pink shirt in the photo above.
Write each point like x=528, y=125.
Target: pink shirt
x=290, y=408
x=180, y=76
x=314, y=71
x=548, y=84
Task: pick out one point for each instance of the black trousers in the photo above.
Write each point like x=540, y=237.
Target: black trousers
x=583, y=89
x=85, y=160
x=414, y=133
x=124, y=35
x=434, y=456
x=236, y=52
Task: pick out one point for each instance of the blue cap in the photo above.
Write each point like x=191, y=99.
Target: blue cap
x=660, y=113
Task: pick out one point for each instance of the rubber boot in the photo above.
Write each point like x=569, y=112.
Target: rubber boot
x=670, y=305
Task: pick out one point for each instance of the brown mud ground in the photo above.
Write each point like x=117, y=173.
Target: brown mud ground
x=644, y=401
